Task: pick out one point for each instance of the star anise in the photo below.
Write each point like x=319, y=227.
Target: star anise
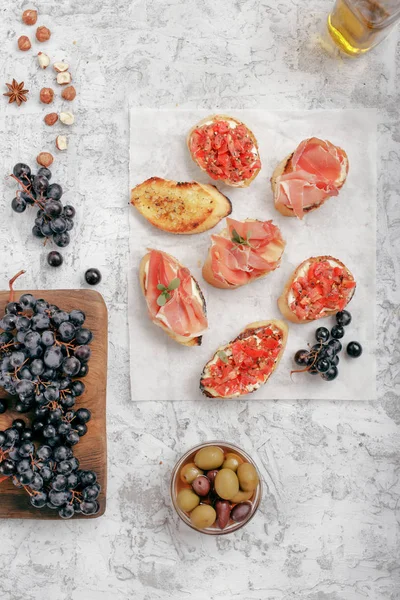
x=17, y=93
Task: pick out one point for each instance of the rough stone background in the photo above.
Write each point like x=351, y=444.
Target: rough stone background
x=328, y=525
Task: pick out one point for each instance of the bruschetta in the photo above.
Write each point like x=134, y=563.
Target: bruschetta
x=178, y=207
x=246, y=363
x=321, y=286
x=225, y=149
x=242, y=252
x=174, y=298
x=314, y=172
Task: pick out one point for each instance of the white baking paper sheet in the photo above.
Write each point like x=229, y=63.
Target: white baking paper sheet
x=345, y=227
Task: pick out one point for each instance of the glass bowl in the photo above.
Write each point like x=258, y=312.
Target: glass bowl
x=177, y=485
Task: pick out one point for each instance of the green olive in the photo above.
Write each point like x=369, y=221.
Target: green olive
x=242, y=496
x=187, y=500
x=248, y=477
x=209, y=457
x=203, y=516
x=232, y=461
x=226, y=484
x=189, y=473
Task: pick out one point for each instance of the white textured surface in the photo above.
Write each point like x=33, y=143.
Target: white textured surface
x=344, y=228
x=328, y=528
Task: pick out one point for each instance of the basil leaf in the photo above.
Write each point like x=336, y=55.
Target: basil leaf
x=175, y=283
x=222, y=355
x=161, y=300
x=161, y=287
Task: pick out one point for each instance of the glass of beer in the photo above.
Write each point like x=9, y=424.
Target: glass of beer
x=356, y=26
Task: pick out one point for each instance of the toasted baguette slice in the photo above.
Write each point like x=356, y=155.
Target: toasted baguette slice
x=212, y=119
x=272, y=253
x=194, y=340
x=234, y=387
x=287, y=297
x=181, y=208
x=286, y=166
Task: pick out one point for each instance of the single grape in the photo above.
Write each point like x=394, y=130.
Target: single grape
x=59, y=483
x=77, y=388
x=18, y=424
x=58, y=225
x=40, y=184
x=61, y=453
x=44, y=452
x=27, y=301
x=8, y=322
x=39, y=500
x=66, y=331
x=335, y=345
x=23, y=324
x=72, y=438
x=77, y=317
x=337, y=332
x=354, y=349
x=53, y=208
x=54, y=191
x=21, y=171
x=83, y=336
x=69, y=223
x=322, y=334
x=331, y=374
x=59, y=317
x=89, y=507
x=48, y=338
x=53, y=357
x=49, y=431
x=87, y=478
x=81, y=429
x=26, y=449
x=83, y=415
x=40, y=322
x=71, y=366
x=44, y=172
x=91, y=492
x=93, y=276
x=66, y=512
x=18, y=204
x=3, y=409
x=83, y=353
x=343, y=318
x=37, y=482
x=61, y=239
x=54, y=259
x=37, y=232
x=46, y=229
x=69, y=211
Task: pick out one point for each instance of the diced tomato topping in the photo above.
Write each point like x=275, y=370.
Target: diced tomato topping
x=244, y=363
x=324, y=287
x=225, y=152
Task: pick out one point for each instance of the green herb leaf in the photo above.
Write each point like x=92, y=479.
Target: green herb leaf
x=161, y=287
x=222, y=355
x=238, y=238
x=174, y=284
x=161, y=300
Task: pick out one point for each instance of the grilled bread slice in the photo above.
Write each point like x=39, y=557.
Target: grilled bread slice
x=305, y=295
x=180, y=208
x=222, y=166
x=246, y=363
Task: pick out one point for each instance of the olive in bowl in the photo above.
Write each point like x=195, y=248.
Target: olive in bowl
x=216, y=488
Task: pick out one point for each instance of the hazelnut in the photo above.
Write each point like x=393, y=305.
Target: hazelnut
x=29, y=17
x=43, y=34
x=43, y=60
x=67, y=118
x=46, y=95
x=60, y=67
x=24, y=43
x=51, y=118
x=45, y=159
x=64, y=78
x=69, y=93
x=61, y=142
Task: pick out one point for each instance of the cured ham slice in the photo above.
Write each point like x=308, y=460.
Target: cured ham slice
x=314, y=172
x=242, y=252
x=174, y=299
x=246, y=363
x=321, y=286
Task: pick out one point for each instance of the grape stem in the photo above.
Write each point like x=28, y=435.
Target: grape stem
x=11, y=283
x=26, y=190
x=315, y=355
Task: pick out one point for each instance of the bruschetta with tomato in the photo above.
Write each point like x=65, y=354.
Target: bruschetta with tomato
x=226, y=149
x=320, y=287
x=242, y=252
x=305, y=179
x=174, y=298
x=246, y=363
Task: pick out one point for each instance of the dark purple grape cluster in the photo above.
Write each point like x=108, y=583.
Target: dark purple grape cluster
x=53, y=220
x=323, y=358
x=44, y=353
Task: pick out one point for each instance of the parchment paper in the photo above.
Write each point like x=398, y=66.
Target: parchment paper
x=345, y=227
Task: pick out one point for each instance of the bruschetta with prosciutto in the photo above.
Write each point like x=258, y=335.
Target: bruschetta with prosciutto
x=226, y=149
x=174, y=299
x=242, y=252
x=321, y=286
x=314, y=172
x=246, y=363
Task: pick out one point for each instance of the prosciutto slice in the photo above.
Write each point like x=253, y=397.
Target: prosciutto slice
x=245, y=250
x=316, y=171
x=183, y=312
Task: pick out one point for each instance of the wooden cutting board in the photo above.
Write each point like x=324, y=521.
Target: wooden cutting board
x=92, y=448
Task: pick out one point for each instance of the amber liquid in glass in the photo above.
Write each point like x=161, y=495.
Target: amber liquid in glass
x=358, y=25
